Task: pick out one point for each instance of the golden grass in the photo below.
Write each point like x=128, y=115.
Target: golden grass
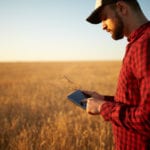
x=36, y=115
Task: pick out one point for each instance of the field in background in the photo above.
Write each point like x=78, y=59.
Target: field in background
x=36, y=115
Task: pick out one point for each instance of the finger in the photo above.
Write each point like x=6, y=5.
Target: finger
x=87, y=92
x=84, y=100
x=93, y=113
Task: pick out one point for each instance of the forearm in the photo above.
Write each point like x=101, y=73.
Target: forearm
x=132, y=118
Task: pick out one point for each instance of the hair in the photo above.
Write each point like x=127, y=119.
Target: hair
x=132, y=3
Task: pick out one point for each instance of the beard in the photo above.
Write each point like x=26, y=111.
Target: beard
x=119, y=27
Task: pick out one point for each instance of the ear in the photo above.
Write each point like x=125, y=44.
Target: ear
x=122, y=8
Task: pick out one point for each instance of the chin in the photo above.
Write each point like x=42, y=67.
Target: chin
x=117, y=37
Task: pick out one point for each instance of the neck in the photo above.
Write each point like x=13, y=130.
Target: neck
x=134, y=22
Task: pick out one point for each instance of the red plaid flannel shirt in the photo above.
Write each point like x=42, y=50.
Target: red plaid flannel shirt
x=129, y=110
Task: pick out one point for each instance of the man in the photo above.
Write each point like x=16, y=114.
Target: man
x=129, y=109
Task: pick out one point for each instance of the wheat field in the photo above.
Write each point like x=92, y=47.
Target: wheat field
x=36, y=115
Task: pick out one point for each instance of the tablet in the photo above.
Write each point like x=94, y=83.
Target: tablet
x=78, y=98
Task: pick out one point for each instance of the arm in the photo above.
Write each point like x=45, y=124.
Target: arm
x=99, y=96
x=132, y=118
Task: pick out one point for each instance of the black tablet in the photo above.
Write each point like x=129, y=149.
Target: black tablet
x=78, y=98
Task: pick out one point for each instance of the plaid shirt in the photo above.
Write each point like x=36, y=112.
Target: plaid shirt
x=129, y=110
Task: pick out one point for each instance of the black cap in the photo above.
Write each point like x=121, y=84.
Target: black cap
x=95, y=15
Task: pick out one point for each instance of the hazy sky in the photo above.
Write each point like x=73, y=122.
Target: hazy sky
x=47, y=30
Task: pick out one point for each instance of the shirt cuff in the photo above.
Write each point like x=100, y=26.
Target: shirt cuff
x=106, y=109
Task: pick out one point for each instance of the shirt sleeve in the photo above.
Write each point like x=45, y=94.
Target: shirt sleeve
x=135, y=118
x=109, y=98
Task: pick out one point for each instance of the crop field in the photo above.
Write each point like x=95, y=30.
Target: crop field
x=35, y=113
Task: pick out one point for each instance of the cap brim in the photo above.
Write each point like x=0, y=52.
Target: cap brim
x=95, y=18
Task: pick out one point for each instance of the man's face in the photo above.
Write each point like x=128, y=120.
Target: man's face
x=112, y=23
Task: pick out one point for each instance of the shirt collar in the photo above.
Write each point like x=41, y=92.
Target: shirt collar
x=138, y=31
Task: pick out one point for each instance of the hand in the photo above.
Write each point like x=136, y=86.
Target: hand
x=93, y=94
x=94, y=103
x=93, y=106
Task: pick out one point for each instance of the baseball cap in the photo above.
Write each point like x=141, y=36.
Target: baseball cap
x=95, y=15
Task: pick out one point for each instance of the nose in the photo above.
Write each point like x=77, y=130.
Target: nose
x=104, y=26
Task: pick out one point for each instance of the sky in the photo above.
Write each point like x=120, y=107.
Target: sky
x=55, y=30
